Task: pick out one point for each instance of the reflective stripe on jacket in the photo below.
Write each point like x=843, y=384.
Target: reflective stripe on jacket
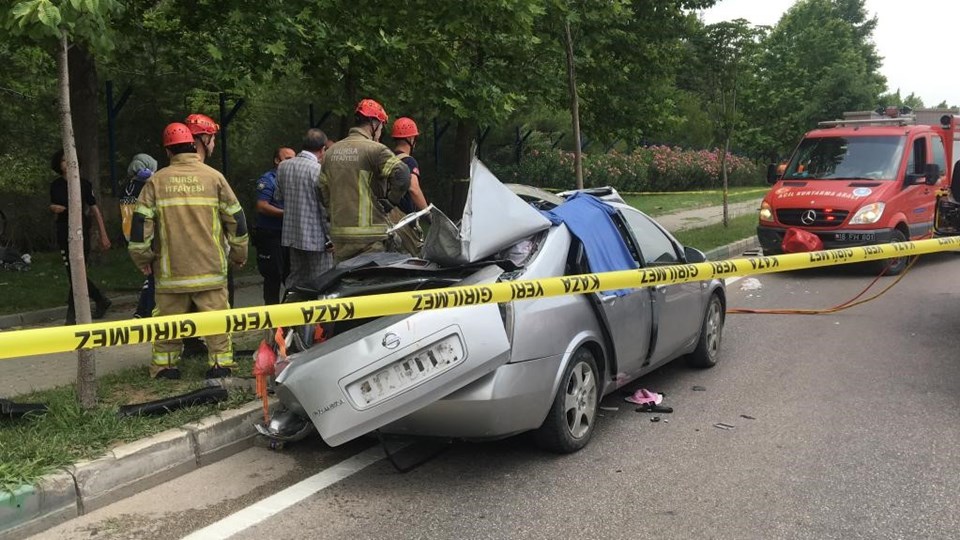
x=186, y=220
x=357, y=172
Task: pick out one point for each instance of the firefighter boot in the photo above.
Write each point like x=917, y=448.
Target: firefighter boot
x=164, y=363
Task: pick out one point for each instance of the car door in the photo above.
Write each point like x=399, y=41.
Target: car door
x=917, y=200
x=627, y=315
x=677, y=309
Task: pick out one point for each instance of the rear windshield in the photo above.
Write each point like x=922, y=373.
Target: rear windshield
x=847, y=158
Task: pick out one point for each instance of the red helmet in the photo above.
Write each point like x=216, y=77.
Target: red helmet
x=201, y=124
x=371, y=109
x=404, y=127
x=177, y=133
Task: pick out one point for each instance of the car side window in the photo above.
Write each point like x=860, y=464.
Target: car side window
x=655, y=247
x=918, y=158
x=624, y=231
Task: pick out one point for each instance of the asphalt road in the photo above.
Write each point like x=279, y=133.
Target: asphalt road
x=845, y=426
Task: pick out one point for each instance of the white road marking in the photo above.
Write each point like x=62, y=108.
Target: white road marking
x=274, y=504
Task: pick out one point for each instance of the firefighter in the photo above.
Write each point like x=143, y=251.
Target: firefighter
x=187, y=224
x=360, y=181
x=404, y=134
x=204, y=131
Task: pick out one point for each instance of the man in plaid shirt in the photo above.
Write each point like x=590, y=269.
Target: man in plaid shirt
x=305, y=222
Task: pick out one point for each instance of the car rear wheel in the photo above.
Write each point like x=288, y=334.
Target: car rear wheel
x=711, y=333
x=570, y=422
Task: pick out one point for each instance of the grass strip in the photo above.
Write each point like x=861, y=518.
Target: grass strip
x=661, y=204
x=714, y=236
x=33, y=446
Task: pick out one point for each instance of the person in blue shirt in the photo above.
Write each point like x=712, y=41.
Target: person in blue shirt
x=272, y=262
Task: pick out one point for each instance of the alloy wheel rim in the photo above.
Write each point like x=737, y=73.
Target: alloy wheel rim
x=580, y=400
x=713, y=329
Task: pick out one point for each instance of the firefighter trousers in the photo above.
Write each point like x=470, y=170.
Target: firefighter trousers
x=166, y=354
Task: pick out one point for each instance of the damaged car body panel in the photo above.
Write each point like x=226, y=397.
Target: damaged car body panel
x=493, y=370
x=375, y=373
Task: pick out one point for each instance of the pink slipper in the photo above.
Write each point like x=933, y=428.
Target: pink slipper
x=644, y=396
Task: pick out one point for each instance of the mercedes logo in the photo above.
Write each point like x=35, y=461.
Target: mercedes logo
x=808, y=217
x=391, y=341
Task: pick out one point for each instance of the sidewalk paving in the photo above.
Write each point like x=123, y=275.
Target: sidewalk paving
x=137, y=466
x=710, y=215
x=45, y=371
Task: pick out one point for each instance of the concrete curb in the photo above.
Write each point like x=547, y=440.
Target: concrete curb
x=31, y=509
x=39, y=316
x=733, y=250
x=126, y=470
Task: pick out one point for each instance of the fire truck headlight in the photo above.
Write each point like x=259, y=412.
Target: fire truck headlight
x=868, y=214
x=766, y=212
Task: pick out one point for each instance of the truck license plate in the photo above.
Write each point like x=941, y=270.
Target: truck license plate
x=855, y=237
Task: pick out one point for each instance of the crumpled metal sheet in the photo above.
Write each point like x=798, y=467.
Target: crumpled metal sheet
x=494, y=218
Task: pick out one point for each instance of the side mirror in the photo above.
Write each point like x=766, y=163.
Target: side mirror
x=931, y=173
x=772, y=173
x=693, y=255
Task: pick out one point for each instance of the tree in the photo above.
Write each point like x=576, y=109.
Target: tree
x=629, y=54
x=724, y=50
x=44, y=21
x=818, y=62
x=894, y=99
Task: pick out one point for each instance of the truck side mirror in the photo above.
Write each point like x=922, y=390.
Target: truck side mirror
x=772, y=173
x=931, y=173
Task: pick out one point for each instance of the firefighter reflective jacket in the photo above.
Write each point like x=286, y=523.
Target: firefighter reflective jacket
x=186, y=222
x=358, y=172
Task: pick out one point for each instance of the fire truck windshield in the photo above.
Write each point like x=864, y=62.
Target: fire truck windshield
x=846, y=158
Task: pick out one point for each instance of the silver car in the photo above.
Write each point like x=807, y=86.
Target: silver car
x=491, y=371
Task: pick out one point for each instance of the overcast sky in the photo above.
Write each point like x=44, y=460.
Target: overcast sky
x=916, y=56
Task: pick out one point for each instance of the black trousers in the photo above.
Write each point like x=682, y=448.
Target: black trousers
x=273, y=263
x=92, y=289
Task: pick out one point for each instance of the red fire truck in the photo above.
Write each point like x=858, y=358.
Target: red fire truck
x=873, y=177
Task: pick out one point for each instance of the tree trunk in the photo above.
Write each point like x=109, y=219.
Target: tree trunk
x=462, y=158
x=86, y=365
x=574, y=109
x=723, y=170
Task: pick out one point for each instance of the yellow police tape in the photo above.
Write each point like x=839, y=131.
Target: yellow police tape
x=14, y=344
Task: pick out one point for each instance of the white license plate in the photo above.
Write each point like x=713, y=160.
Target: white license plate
x=406, y=373
x=855, y=237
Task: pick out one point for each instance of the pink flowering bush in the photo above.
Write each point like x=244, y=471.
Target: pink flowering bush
x=653, y=168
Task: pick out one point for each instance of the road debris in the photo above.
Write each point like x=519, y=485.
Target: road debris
x=643, y=397
x=747, y=416
x=722, y=425
x=750, y=284
x=653, y=407
x=699, y=388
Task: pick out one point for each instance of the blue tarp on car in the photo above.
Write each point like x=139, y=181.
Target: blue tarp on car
x=589, y=219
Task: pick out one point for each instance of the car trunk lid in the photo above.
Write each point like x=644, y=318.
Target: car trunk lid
x=383, y=370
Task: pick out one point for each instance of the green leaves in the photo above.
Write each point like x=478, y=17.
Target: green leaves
x=48, y=14
x=83, y=20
